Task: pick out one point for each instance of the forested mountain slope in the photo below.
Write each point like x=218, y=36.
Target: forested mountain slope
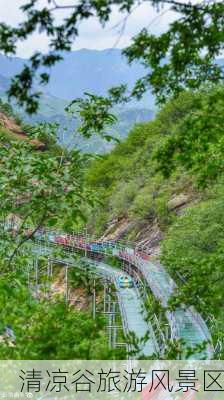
x=163, y=189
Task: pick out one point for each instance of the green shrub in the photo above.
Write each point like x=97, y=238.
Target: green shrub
x=143, y=206
x=194, y=252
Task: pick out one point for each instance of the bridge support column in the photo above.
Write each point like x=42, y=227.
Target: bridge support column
x=28, y=275
x=104, y=297
x=114, y=324
x=66, y=284
x=36, y=266
x=94, y=299
x=49, y=275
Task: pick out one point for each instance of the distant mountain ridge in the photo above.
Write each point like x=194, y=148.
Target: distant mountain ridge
x=86, y=70
x=79, y=72
x=82, y=71
x=51, y=110
x=92, y=71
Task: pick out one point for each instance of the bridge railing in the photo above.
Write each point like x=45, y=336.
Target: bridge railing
x=131, y=254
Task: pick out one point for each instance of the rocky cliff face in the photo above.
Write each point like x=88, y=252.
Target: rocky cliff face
x=9, y=126
x=148, y=236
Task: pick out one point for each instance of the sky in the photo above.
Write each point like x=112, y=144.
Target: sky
x=92, y=35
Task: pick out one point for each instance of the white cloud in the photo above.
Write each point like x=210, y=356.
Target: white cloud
x=92, y=35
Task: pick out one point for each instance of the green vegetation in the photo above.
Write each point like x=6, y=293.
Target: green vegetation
x=43, y=187
x=168, y=173
x=194, y=253
x=40, y=188
x=47, y=329
x=181, y=152
x=196, y=142
x=182, y=56
x=7, y=134
x=127, y=180
x=142, y=182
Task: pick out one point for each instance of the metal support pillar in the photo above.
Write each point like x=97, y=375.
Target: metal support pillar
x=36, y=274
x=85, y=241
x=114, y=324
x=66, y=284
x=104, y=297
x=94, y=299
x=28, y=275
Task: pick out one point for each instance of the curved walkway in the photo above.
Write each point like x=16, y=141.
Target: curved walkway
x=185, y=324
x=132, y=310
x=130, y=303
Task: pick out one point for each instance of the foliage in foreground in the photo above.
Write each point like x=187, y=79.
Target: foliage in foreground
x=47, y=329
x=40, y=188
x=181, y=57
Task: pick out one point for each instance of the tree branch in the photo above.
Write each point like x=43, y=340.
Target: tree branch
x=170, y=2
x=27, y=237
